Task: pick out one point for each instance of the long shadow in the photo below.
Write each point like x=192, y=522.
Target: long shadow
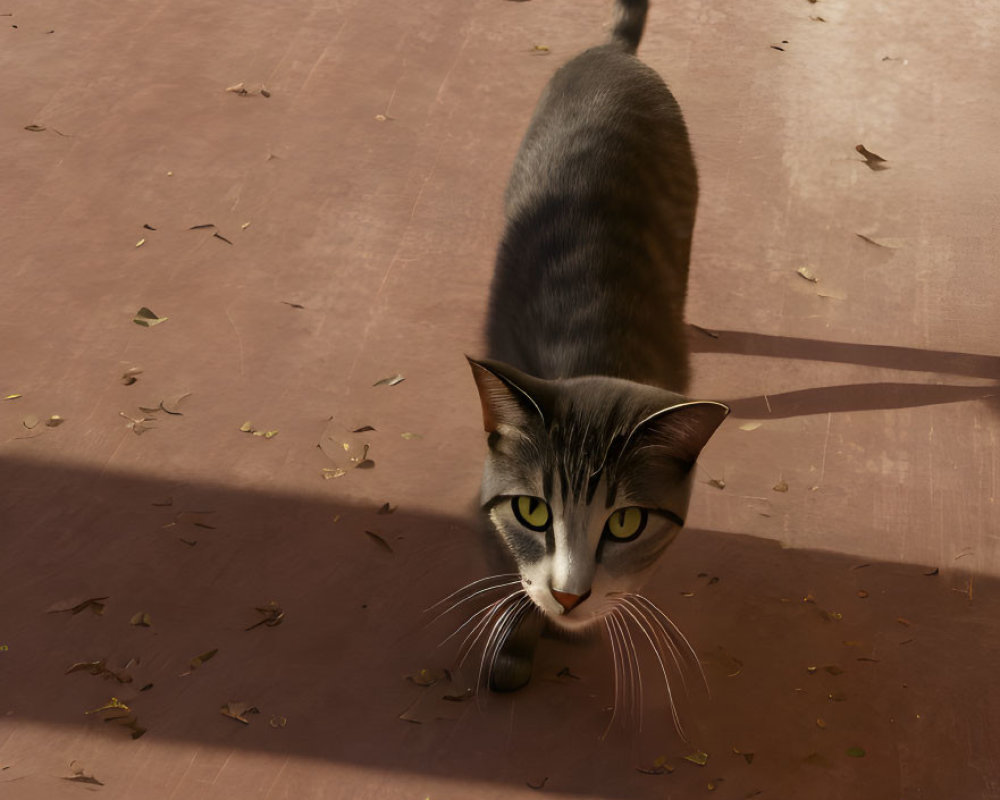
x=850, y=397
x=807, y=654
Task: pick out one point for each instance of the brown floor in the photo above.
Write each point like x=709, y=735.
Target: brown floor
x=366, y=189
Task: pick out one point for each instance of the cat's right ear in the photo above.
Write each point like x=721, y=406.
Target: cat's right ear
x=505, y=395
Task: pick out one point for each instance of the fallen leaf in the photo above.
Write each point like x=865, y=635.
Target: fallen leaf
x=750, y=426
x=114, y=704
x=140, y=243
x=30, y=421
x=386, y=509
x=34, y=128
x=821, y=723
x=264, y=92
x=780, y=486
x=293, y=305
x=200, y=519
x=95, y=604
x=890, y=244
x=699, y=758
x=540, y=48
x=247, y=427
x=218, y=235
x=197, y=661
x=934, y=571
x=330, y=472
x=201, y=227
x=862, y=594
x=81, y=778
x=833, y=669
x=272, y=615
x=872, y=160
x=141, y=619
x=717, y=483
x=392, y=380
x=468, y=694
x=856, y=752
x=428, y=677
x=244, y=226
x=807, y=273
x=13, y=396
x=277, y=721
x=146, y=688
x=238, y=88
x=149, y=227
x=903, y=621
x=363, y=429
x=410, y=436
x=172, y=404
x=147, y=318
x=659, y=767
x=238, y=711
x=382, y=542
x=54, y=421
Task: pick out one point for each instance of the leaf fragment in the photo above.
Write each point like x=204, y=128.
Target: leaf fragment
x=332, y=472
x=428, y=677
x=750, y=426
x=201, y=227
x=890, y=244
x=660, y=766
x=141, y=619
x=13, y=396
x=197, y=661
x=833, y=669
x=363, y=429
x=380, y=541
x=780, y=486
x=147, y=318
x=700, y=758
x=808, y=274
x=95, y=604
x=34, y=128
x=30, y=421
x=293, y=305
x=172, y=404
x=392, y=380
x=873, y=161
x=272, y=615
x=114, y=704
x=411, y=436
x=239, y=711
x=386, y=509
x=247, y=427
x=218, y=235
x=717, y=483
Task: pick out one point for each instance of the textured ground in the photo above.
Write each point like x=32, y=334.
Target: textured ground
x=354, y=208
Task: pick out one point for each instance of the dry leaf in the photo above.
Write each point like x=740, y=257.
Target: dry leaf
x=363, y=429
x=386, y=509
x=247, y=427
x=197, y=661
x=392, y=380
x=428, y=677
x=95, y=604
x=54, y=421
x=13, y=396
x=659, y=767
x=140, y=243
x=331, y=472
x=411, y=436
x=272, y=615
x=114, y=704
x=750, y=426
x=201, y=227
x=807, y=273
x=141, y=619
x=833, y=669
x=147, y=318
x=780, y=486
x=717, y=483
x=238, y=88
x=293, y=305
x=382, y=542
x=238, y=711
x=872, y=160
x=172, y=404
x=277, y=721
x=891, y=244
x=699, y=758
x=34, y=128
x=218, y=235
x=30, y=421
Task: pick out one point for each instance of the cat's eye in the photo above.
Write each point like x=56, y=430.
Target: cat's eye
x=626, y=524
x=532, y=512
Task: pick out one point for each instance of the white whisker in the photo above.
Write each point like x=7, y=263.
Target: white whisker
x=495, y=608
x=639, y=620
x=501, y=576
x=496, y=636
x=613, y=642
x=675, y=630
x=455, y=605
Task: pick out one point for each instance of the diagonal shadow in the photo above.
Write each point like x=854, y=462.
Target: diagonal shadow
x=850, y=397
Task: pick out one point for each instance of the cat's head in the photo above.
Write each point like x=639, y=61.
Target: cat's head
x=587, y=481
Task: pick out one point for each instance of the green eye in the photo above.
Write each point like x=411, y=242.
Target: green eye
x=532, y=512
x=626, y=524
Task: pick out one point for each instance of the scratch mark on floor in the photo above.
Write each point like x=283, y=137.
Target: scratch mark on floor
x=826, y=447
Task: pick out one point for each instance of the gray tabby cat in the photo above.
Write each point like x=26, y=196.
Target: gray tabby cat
x=591, y=444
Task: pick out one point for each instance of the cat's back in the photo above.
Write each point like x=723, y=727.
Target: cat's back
x=592, y=268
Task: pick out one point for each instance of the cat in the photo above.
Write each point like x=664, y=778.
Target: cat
x=591, y=442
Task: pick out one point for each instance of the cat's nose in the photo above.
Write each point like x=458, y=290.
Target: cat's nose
x=569, y=601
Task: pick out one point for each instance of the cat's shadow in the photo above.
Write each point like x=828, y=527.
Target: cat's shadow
x=851, y=397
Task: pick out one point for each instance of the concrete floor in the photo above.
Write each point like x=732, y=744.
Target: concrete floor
x=359, y=205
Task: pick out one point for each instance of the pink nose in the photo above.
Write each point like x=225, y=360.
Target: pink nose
x=569, y=601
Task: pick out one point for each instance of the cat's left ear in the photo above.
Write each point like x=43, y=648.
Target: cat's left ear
x=682, y=430
x=508, y=395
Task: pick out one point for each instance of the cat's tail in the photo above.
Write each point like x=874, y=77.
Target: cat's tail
x=630, y=19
